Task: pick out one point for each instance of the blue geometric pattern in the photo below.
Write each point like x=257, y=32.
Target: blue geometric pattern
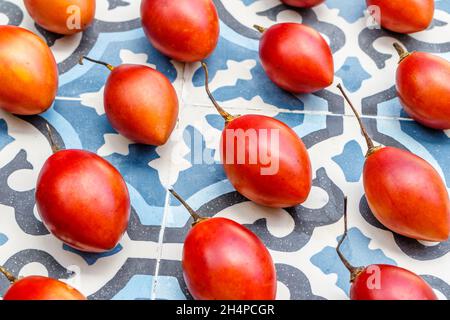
x=351, y=11
x=3, y=239
x=352, y=74
x=147, y=262
x=358, y=254
x=351, y=161
x=5, y=139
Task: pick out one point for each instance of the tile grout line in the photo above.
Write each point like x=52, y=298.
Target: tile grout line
x=281, y=110
x=68, y=98
x=307, y=112
x=166, y=211
x=376, y=117
x=160, y=246
x=183, y=83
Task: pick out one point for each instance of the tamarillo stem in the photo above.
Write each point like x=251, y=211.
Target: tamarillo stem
x=259, y=28
x=402, y=52
x=370, y=145
x=197, y=218
x=51, y=137
x=11, y=278
x=107, y=65
x=227, y=116
x=354, y=271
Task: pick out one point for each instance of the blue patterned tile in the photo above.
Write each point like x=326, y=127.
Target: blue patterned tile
x=146, y=264
x=350, y=11
x=353, y=74
x=351, y=161
x=5, y=139
x=357, y=252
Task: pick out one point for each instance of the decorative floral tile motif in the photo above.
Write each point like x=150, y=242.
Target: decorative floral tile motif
x=146, y=264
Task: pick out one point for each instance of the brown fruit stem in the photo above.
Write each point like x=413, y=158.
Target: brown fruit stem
x=11, y=278
x=227, y=116
x=110, y=67
x=354, y=271
x=402, y=52
x=370, y=146
x=259, y=28
x=197, y=218
x=53, y=144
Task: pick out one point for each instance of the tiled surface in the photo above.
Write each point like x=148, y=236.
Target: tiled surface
x=146, y=264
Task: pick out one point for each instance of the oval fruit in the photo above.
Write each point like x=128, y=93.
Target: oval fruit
x=28, y=72
x=62, y=16
x=41, y=288
x=296, y=58
x=83, y=200
x=184, y=30
x=222, y=260
x=284, y=182
x=406, y=16
x=381, y=281
x=141, y=104
x=423, y=86
x=387, y=282
x=263, y=158
x=407, y=195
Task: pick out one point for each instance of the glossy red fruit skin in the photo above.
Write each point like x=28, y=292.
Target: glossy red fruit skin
x=404, y=16
x=83, y=200
x=423, y=86
x=184, y=30
x=296, y=58
x=55, y=15
x=394, y=284
x=41, y=288
x=407, y=195
x=303, y=3
x=222, y=260
x=290, y=185
x=28, y=72
x=141, y=104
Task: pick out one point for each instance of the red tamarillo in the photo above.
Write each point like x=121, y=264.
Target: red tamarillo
x=382, y=281
x=184, y=30
x=83, y=200
x=140, y=103
x=62, y=16
x=423, y=86
x=38, y=288
x=282, y=180
x=404, y=16
x=222, y=260
x=28, y=72
x=296, y=57
x=404, y=192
